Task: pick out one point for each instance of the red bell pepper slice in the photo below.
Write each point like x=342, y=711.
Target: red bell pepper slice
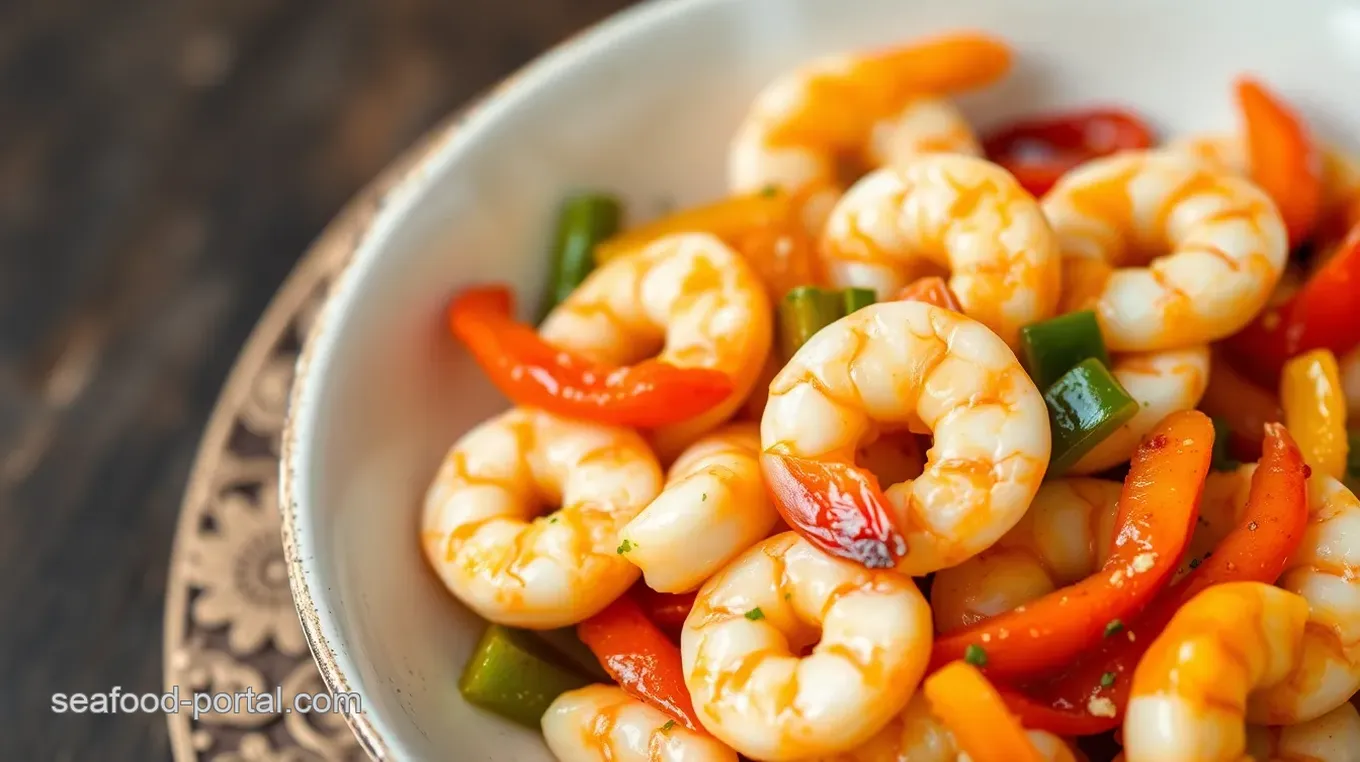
x=1256, y=550
x=1283, y=158
x=1067, y=721
x=1157, y=512
x=532, y=372
x=1323, y=314
x=931, y=290
x=836, y=506
x=1245, y=406
x=640, y=659
x=1039, y=151
x=667, y=611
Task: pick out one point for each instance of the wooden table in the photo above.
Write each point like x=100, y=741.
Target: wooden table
x=163, y=164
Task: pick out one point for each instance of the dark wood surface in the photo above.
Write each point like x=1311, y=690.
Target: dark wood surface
x=163, y=164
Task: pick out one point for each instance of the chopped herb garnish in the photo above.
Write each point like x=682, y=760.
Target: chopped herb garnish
x=1107, y=679
x=1194, y=563
x=625, y=546
x=769, y=191
x=974, y=655
x=1114, y=627
x=667, y=727
x=755, y=614
x=552, y=520
x=787, y=596
x=703, y=498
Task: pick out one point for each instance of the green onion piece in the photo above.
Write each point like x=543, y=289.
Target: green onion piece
x=805, y=311
x=1050, y=348
x=974, y=655
x=856, y=298
x=511, y=674
x=1222, y=458
x=1085, y=406
x=585, y=220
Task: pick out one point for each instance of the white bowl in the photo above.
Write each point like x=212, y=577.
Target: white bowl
x=644, y=105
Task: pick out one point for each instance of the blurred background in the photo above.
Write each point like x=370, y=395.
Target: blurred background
x=163, y=165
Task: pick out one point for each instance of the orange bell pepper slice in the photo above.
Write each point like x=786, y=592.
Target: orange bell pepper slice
x=1040, y=151
x=640, y=659
x=974, y=712
x=932, y=290
x=726, y=219
x=1284, y=160
x=1256, y=550
x=1323, y=314
x=1157, y=512
x=532, y=372
x=1315, y=410
x=836, y=506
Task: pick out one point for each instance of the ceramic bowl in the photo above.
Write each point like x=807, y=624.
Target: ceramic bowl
x=644, y=105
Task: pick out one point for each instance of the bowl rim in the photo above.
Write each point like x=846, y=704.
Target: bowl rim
x=384, y=201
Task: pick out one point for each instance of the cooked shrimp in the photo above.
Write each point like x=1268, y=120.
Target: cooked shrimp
x=601, y=723
x=1162, y=383
x=1340, y=171
x=915, y=735
x=961, y=213
x=749, y=622
x=1333, y=737
x=553, y=570
x=689, y=291
x=1063, y=538
x=713, y=507
x=1189, y=693
x=875, y=109
x=1325, y=571
x=1221, y=242
x=912, y=365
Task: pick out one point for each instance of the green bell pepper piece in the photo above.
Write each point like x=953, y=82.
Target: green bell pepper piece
x=857, y=298
x=512, y=674
x=585, y=220
x=1050, y=348
x=1085, y=406
x=805, y=311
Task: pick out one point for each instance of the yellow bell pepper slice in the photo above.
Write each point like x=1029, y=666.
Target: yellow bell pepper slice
x=1315, y=410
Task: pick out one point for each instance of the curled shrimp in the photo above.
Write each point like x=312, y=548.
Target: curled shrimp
x=1333, y=737
x=1340, y=173
x=1064, y=537
x=1325, y=571
x=713, y=507
x=478, y=530
x=916, y=735
x=1162, y=383
x=949, y=211
x=910, y=365
x=875, y=109
x=741, y=642
x=688, y=292
x=1169, y=251
x=601, y=723
x=1189, y=694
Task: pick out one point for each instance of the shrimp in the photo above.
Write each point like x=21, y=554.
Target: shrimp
x=740, y=643
x=1162, y=383
x=1333, y=737
x=1063, y=538
x=713, y=507
x=553, y=570
x=1325, y=571
x=689, y=291
x=958, y=212
x=601, y=723
x=1189, y=693
x=916, y=366
x=915, y=735
x=877, y=109
x=1340, y=172
x=1226, y=241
